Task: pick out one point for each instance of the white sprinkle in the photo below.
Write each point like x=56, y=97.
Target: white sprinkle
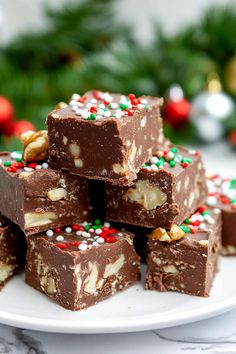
x=38, y=167
x=154, y=167
x=140, y=106
x=75, y=96
x=202, y=226
x=113, y=105
x=143, y=101
x=28, y=169
x=85, y=114
x=107, y=114
x=101, y=105
x=98, y=231
x=0, y=161
x=45, y=165
x=85, y=223
x=79, y=233
x=120, y=234
x=68, y=230
x=100, y=240
x=169, y=156
x=101, y=112
x=49, y=233
x=95, y=243
x=154, y=159
x=74, y=108
x=96, y=237
x=82, y=247
x=93, y=100
x=106, y=224
x=192, y=152
x=79, y=112
x=85, y=234
x=85, y=241
x=16, y=155
x=211, y=201
x=211, y=221
x=91, y=231
x=118, y=114
x=60, y=238
x=217, y=211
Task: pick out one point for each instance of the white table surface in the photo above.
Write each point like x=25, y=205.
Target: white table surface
x=216, y=335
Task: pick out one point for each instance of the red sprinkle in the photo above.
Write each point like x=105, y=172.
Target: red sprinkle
x=11, y=169
x=110, y=239
x=75, y=244
x=62, y=246
x=224, y=200
x=75, y=227
x=202, y=208
x=57, y=230
x=19, y=165
x=97, y=95
x=82, y=99
x=131, y=96
x=93, y=109
x=184, y=164
x=32, y=165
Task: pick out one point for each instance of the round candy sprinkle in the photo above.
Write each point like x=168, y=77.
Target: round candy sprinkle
x=49, y=233
x=68, y=230
x=60, y=238
x=82, y=247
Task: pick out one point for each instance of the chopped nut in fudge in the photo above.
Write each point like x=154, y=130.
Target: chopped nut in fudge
x=168, y=189
x=222, y=194
x=105, y=136
x=35, y=197
x=12, y=250
x=184, y=258
x=80, y=265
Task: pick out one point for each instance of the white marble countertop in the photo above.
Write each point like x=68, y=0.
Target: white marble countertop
x=216, y=335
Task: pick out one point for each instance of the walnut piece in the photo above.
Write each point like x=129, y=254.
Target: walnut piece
x=35, y=145
x=174, y=234
x=147, y=195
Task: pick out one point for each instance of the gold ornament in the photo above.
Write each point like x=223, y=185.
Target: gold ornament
x=230, y=76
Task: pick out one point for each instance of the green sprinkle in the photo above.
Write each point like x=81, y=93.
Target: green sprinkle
x=87, y=227
x=146, y=107
x=206, y=212
x=172, y=163
x=123, y=106
x=160, y=163
x=174, y=150
x=185, y=159
x=92, y=116
x=18, y=159
x=7, y=163
x=97, y=222
x=233, y=201
x=187, y=221
x=185, y=228
x=232, y=184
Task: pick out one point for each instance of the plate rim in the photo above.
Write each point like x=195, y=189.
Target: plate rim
x=136, y=324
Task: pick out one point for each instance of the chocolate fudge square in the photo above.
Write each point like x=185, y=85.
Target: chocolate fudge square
x=81, y=265
x=12, y=250
x=35, y=197
x=105, y=136
x=222, y=194
x=185, y=258
x=168, y=189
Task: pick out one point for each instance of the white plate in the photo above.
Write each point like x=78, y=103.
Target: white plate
x=135, y=309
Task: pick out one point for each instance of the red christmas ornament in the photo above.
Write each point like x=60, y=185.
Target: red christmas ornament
x=176, y=108
x=22, y=126
x=6, y=112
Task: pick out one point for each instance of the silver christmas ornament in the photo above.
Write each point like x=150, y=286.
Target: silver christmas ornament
x=209, y=110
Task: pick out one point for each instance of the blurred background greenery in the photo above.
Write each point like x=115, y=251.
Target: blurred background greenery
x=85, y=45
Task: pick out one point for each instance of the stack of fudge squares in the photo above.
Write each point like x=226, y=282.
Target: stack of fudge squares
x=102, y=188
